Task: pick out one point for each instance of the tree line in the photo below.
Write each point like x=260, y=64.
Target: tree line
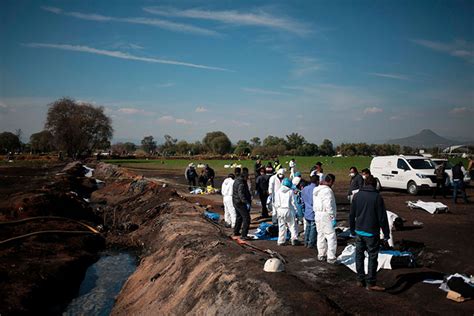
x=79, y=129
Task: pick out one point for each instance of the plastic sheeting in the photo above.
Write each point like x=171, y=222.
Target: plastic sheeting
x=347, y=258
x=430, y=207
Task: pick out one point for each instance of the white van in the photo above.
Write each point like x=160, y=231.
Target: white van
x=403, y=172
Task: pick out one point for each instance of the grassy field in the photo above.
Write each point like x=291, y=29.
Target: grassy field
x=337, y=165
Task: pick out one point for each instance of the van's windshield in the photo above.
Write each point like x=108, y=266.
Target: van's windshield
x=421, y=163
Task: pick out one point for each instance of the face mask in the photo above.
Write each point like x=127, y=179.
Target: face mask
x=352, y=174
x=280, y=176
x=364, y=177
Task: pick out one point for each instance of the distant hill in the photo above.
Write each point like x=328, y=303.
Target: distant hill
x=424, y=139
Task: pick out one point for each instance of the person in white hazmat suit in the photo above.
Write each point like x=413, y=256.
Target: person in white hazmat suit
x=230, y=214
x=286, y=212
x=274, y=184
x=324, y=206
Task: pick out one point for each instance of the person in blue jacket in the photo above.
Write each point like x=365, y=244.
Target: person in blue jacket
x=310, y=227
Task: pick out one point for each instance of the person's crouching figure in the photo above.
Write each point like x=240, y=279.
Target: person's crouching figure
x=366, y=218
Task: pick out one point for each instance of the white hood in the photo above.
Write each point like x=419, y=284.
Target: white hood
x=324, y=200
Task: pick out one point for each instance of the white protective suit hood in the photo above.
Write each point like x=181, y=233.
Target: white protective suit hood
x=324, y=200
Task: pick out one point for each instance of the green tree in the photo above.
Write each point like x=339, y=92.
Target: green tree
x=9, y=142
x=42, y=141
x=148, y=144
x=326, y=148
x=295, y=140
x=255, y=141
x=217, y=142
x=130, y=147
x=274, y=141
x=78, y=128
x=243, y=147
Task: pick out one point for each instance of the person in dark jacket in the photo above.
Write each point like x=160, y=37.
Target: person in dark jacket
x=210, y=174
x=242, y=199
x=357, y=182
x=458, y=182
x=257, y=166
x=367, y=217
x=262, y=190
x=441, y=175
x=191, y=176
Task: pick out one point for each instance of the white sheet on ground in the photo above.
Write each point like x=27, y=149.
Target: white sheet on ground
x=444, y=286
x=89, y=172
x=347, y=258
x=430, y=207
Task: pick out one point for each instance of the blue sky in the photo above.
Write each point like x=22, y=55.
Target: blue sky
x=344, y=70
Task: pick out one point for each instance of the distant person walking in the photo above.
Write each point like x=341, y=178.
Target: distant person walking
x=324, y=206
x=257, y=166
x=356, y=183
x=230, y=215
x=262, y=190
x=242, y=200
x=366, y=218
x=470, y=167
x=440, y=174
x=458, y=182
x=310, y=227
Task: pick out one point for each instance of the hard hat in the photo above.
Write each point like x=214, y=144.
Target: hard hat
x=273, y=265
x=287, y=183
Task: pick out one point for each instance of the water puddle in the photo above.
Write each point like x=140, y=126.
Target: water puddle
x=102, y=283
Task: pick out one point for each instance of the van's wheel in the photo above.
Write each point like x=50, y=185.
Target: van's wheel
x=378, y=186
x=412, y=188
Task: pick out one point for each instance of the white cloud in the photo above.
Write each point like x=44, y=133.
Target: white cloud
x=461, y=110
x=166, y=118
x=183, y=121
x=257, y=18
x=458, y=48
x=172, y=119
x=118, y=54
x=263, y=91
x=390, y=76
x=132, y=111
x=168, y=25
x=201, y=109
x=240, y=123
x=165, y=85
x=305, y=65
x=372, y=110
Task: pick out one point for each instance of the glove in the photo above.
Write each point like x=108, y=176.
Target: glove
x=248, y=206
x=334, y=223
x=352, y=235
x=348, y=197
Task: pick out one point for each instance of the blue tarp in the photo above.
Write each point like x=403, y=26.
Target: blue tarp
x=212, y=216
